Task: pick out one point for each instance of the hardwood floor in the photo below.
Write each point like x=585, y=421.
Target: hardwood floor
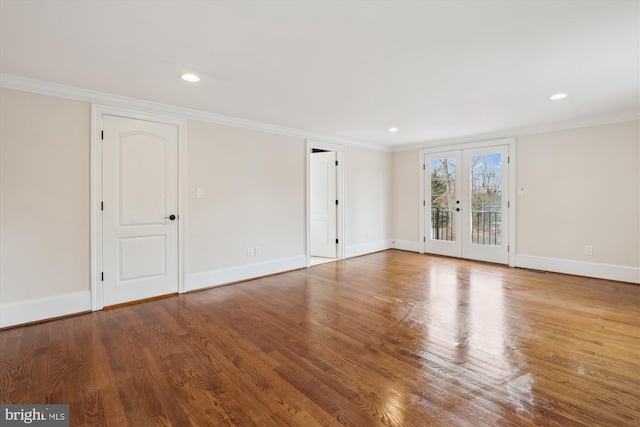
x=392, y=338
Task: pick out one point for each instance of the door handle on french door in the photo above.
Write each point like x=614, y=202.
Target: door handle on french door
x=171, y=217
x=457, y=209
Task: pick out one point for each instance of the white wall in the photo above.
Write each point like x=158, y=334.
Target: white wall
x=44, y=206
x=406, y=200
x=369, y=200
x=254, y=187
x=582, y=187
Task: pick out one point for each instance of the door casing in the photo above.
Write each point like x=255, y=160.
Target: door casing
x=511, y=143
x=97, y=112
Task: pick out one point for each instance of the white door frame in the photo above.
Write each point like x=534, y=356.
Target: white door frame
x=97, y=111
x=340, y=195
x=511, y=143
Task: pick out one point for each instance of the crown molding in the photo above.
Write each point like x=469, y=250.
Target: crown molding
x=70, y=92
x=63, y=91
x=532, y=130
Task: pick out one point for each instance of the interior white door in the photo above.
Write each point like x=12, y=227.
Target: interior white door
x=323, y=212
x=140, y=208
x=466, y=203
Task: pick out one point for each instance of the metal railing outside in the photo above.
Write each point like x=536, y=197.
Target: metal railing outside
x=485, y=226
x=442, y=225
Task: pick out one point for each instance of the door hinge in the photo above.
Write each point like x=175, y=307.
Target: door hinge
x=101, y=134
x=336, y=203
x=101, y=206
x=102, y=276
x=508, y=203
x=336, y=241
x=508, y=159
x=336, y=163
x=424, y=238
x=424, y=167
x=508, y=248
x=424, y=203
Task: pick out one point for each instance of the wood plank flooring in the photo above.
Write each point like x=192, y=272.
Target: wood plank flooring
x=393, y=338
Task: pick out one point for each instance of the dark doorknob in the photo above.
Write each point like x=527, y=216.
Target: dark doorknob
x=171, y=217
x=457, y=210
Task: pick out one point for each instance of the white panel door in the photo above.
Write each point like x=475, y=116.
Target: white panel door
x=140, y=196
x=323, y=225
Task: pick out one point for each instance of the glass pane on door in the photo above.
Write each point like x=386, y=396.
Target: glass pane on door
x=486, y=199
x=443, y=198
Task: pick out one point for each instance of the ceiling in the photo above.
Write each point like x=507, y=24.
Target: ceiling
x=348, y=70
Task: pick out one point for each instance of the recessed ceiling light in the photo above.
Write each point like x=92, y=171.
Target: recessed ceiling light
x=190, y=77
x=558, y=96
x=393, y=129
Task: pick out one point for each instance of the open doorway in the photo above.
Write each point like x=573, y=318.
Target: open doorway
x=324, y=204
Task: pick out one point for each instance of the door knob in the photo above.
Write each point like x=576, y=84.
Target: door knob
x=171, y=217
x=457, y=210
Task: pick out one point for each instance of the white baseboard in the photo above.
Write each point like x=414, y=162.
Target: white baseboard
x=238, y=273
x=406, y=245
x=367, y=248
x=36, y=309
x=580, y=268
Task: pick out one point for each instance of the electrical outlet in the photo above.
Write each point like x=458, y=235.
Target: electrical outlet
x=258, y=251
x=250, y=252
x=588, y=250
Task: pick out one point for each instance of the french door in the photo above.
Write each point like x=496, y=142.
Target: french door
x=466, y=203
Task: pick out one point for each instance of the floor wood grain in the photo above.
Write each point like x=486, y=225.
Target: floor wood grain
x=393, y=338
